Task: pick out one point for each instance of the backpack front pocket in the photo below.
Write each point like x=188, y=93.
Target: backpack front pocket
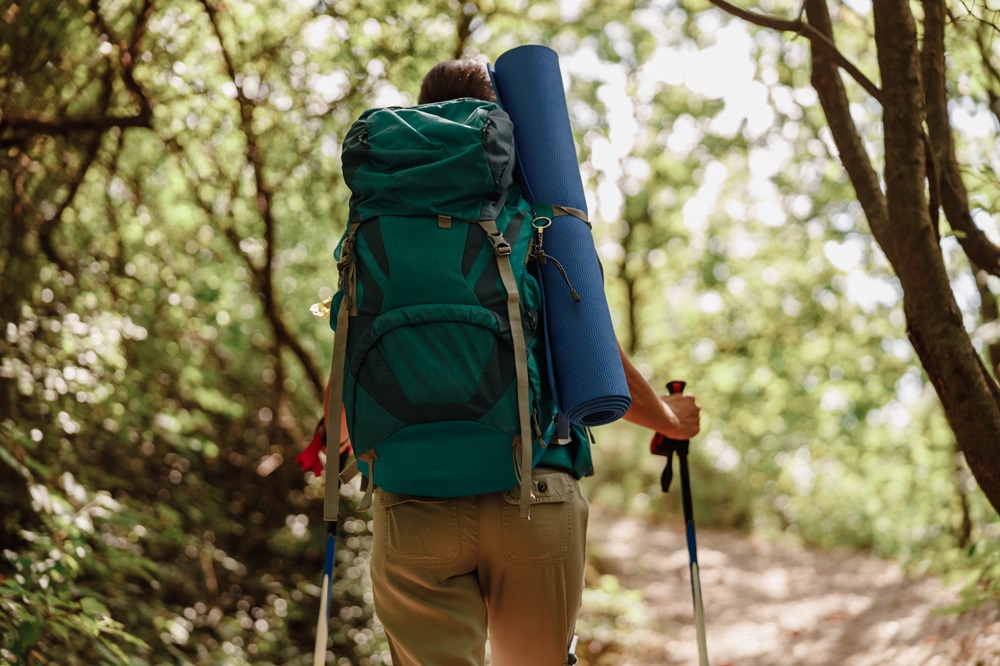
x=428, y=363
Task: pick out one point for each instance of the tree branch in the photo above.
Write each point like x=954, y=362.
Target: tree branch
x=282, y=333
x=255, y=157
x=265, y=274
x=983, y=253
x=938, y=143
x=836, y=107
x=986, y=56
x=817, y=38
x=989, y=312
x=902, y=122
x=37, y=124
x=27, y=124
x=24, y=207
x=128, y=58
x=48, y=226
x=463, y=31
x=127, y=49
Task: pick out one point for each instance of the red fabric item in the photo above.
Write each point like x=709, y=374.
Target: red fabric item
x=310, y=458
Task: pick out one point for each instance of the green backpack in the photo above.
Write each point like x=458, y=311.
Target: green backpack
x=439, y=347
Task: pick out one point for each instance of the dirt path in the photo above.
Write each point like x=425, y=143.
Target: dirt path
x=771, y=605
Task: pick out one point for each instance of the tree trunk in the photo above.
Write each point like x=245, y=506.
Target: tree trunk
x=934, y=322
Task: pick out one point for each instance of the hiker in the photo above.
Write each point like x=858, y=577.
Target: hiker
x=445, y=571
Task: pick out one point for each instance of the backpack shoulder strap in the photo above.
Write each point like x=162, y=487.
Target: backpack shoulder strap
x=331, y=502
x=348, y=308
x=502, y=251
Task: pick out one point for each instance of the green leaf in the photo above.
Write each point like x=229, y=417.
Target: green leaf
x=28, y=633
x=89, y=624
x=61, y=629
x=8, y=458
x=12, y=585
x=92, y=606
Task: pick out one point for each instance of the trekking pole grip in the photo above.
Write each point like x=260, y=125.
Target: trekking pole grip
x=661, y=445
x=673, y=387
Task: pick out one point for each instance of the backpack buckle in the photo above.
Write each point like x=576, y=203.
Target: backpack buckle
x=501, y=247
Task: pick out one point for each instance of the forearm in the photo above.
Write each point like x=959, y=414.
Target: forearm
x=677, y=416
x=647, y=409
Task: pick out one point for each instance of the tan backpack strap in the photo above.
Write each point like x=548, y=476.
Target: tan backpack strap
x=331, y=500
x=502, y=250
x=369, y=457
x=348, y=473
x=575, y=212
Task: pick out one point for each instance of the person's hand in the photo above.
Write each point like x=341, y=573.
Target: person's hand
x=683, y=415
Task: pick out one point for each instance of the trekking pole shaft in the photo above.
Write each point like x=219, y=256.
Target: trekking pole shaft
x=326, y=596
x=699, y=608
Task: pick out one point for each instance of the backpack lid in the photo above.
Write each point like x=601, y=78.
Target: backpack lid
x=453, y=158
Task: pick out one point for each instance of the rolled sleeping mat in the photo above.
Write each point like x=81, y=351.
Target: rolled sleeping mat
x=585, y=365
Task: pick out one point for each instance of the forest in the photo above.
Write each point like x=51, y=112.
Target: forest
x=797, y=209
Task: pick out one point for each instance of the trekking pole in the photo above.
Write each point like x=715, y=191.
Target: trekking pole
x=330, y=560
x=325, y=598
x=664, y=446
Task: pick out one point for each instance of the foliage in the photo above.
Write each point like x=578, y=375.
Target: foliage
x=612, y=621
x=172, y=196
x=44, y=607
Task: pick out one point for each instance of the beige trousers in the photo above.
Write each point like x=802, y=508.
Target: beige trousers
x=444, y=571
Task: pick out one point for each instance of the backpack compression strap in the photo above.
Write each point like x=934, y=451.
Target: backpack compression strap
x=575, y=212
x=502, y=250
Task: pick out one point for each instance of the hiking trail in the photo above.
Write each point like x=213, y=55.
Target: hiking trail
x=770, y=604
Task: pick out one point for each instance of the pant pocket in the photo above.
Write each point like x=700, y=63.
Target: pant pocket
x=418, y=530
x=555, y=509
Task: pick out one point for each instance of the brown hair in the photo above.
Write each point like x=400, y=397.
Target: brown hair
x=452, y=79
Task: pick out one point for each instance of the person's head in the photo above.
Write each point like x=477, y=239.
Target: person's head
x=453, y=79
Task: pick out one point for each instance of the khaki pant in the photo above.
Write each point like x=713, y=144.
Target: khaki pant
x=445, y=570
